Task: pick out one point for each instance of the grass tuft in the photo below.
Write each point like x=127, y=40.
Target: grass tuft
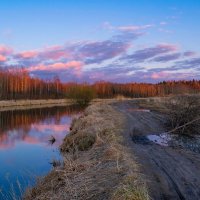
x=131, y=189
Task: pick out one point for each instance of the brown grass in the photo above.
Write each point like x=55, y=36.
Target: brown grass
x=157, y=104
x=184, y=114
x=96, y=164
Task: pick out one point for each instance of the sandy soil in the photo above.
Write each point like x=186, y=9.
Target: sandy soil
x=172, y=173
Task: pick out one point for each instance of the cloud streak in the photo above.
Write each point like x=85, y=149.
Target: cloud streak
x=57, y=66
x=167, y=58
x=98, y=52
x=129, y=28
x=147, y=53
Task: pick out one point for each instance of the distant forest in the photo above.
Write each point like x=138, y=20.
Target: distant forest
x=18, y=84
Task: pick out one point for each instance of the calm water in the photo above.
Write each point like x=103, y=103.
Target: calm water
x=25, y=150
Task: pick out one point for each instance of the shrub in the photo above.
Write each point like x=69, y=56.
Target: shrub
x=184, y=112
x=84, y=143
x=78, y=141
x=82, y=94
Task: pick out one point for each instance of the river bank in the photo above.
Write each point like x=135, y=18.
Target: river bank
x=96, y=161
x=9, y=105
x=27, y=104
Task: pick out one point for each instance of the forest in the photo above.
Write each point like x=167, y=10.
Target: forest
x=18, y=84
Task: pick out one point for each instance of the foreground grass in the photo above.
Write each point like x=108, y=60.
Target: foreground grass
x=96, y=163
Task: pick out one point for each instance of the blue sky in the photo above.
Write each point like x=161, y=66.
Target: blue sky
x=90, y=40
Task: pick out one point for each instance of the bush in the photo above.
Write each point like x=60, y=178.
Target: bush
x=79, y=141
x=184, y=112
x=84, y=143
x=82, y=94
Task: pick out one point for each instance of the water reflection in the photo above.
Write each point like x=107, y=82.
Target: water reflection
x=35, y=125
x=25, y=150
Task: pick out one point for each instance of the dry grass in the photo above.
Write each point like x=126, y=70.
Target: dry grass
x=184, y=114
x=157, y=104
x=96, y=164
x=131, y=189
x=28, y=104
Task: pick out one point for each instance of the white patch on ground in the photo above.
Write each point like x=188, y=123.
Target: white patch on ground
x=162, y=139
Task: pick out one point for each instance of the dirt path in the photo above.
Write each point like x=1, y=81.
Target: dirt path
x=171, y=173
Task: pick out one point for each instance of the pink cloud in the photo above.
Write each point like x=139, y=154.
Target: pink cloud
x=166, y=75
x=28, y=54
x=53, y=48
x=55, y=53
x=57, y=66
x=5, y=50
x=2, y=58
x=160, y=75
x=171, y=47
x=49, y=53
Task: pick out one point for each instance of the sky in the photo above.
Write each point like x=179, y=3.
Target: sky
x=102, y=40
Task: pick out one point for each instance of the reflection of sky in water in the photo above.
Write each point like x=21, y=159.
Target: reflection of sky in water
x=26, y=152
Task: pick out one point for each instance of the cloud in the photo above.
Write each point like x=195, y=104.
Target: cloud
x=193, y=63
x=167, y=58
x=134, y=28
x=88, y=52
x=57, y=66
x=167, y=75
x=127, y=37
x=129, y=28
x=55, y=53
x=4, y=50
x=2, y=58
x=27, y=55
x=51, y=53
x=160, y=75
x=189, y=53
x=97, y=52
x=147, y=53
x=71, y=58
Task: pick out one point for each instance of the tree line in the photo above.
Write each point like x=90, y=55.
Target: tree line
x=19, y=84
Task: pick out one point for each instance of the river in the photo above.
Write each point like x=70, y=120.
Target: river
x=25, y=150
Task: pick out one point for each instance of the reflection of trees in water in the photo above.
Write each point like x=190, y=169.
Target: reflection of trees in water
x=23, y=119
